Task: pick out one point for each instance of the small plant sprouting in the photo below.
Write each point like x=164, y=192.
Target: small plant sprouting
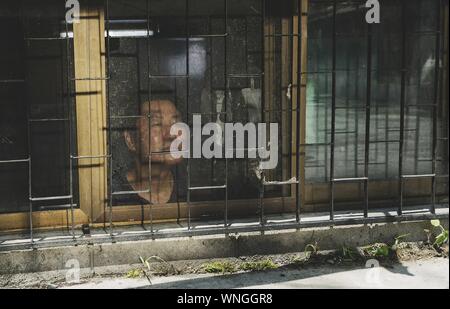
x=145, y=262
x=134, y=273
x=377, y=250
x=442, y=238
x=219, y=267
x=311, y=249
x=348, y=253
x=429, y=234
x=398, y=240
x=259, y=266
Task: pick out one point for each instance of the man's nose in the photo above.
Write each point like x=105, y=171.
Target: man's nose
x=166, y=133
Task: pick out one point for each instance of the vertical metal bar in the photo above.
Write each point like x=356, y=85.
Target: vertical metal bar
x=261, y=192
x=149, y=119
x=436, y=102
x=69, y=117
x=30, y=194
x=30, y=202
x=225, y=108
x=187, y=110
x=299, y=86
x=138, y=102
x=356, y=126
x=110, y=200
x=333, y=112
x=368, y=110
x=108, y=119
x=402, y=108
x=386, y=132
x=212, y=106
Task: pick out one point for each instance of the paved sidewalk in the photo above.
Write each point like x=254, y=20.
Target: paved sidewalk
x=433, y=273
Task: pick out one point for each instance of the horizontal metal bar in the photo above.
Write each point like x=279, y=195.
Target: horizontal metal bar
x=129, y=117
x=14, y=161
x=50, y=198
x=45, y=39
x=281, y=183
x=246, y=75
x=419, y=176
x=63, y=206
x=199, y=36
x=384, y=141
x=441, y=176
x=280, y=110
x=90, y=157
x=352, y=107
x=424, y=32
x=168, y=152
x=283, y=35
x=342, y=132
x=397, y=129
x=421, y=105
x=208, y=113
x=246, y=149
x=130, y=192
x=318, y=105
x=352, y=70
x=168, y=76
x=207, y=188
x=11, y=81
x=371, y=163
x=48, y=119
x=90, y=79
x=221, y=230
x=126, y=21
x=316, y=144
x=385, y=106
x=351, y=34
x=351, y=179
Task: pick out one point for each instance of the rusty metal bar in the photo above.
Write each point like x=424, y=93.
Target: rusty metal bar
x=402, y=107
x=333, y=112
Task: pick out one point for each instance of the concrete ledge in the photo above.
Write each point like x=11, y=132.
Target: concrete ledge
x=204, y=247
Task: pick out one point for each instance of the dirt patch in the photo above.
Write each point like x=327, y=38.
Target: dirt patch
x=419, y=251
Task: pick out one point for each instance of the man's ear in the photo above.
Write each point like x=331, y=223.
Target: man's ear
x=129, y=141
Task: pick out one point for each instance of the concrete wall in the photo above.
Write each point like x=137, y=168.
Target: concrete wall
x=91, y=256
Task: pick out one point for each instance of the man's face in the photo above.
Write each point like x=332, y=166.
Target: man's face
x=163, y=114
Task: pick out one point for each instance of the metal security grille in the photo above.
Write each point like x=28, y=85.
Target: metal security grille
x=32, y=121
x=298, y=221
x=226, y=87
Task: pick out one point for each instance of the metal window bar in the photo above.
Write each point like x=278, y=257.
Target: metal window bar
x=110, y=117
x=11, y=81
x=333, y=111
x=333, y=180
x=366, y=107
x=28, y=160
x=188, y=113
x=298, y=133
x=403, y=106
x=227, y=76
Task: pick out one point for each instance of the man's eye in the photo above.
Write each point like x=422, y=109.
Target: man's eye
x=156, y=122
